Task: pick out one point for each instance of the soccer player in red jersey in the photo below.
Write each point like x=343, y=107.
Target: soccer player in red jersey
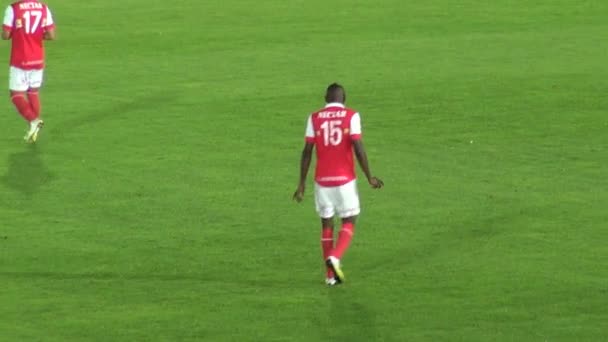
x=335, y=131
x=27, y=23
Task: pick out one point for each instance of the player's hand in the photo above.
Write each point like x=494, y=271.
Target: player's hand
x=376, y=182
x=299, y=194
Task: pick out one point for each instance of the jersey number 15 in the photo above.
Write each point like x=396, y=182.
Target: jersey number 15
x=31, y=20
x=332, y=132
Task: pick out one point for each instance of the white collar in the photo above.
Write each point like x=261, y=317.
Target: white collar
x=334, y=104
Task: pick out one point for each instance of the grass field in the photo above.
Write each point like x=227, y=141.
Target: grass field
x=157, y=203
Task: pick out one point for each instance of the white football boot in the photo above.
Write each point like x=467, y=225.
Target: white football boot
x=331, y=281
x=334, y=263
x=32, y=133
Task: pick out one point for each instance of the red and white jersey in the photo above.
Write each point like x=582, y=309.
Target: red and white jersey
x=333, y=130
x=27, y=20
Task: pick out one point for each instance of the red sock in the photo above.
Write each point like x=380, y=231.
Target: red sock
x=34, y=99
x=344, y=238
x=327, y=243
x=23, y=107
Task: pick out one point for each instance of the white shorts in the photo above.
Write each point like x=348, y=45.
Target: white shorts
x=22, y=80
x=342, y=200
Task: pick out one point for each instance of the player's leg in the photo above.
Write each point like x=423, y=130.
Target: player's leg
x=327, y=245
x=36, y=123
x=18, y=85
x=345, y=236
x=33, y=96
x=35, y=82
x=326, y=211
x=33, y=92
x=348, y=209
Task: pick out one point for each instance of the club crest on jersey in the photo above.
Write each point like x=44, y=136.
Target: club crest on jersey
x=18, y=23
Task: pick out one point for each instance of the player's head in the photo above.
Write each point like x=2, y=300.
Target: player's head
x=335, y=93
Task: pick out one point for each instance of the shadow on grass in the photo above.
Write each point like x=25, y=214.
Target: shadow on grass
x=113, y=108
x=26, y=172
x=349, y=320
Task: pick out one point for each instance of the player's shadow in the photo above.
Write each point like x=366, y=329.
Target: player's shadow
x=26, y=172
x=349, y=320
x=114, y=109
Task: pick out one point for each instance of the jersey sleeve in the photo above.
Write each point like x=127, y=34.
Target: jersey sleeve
x=310, y=131
x=49, y=23
x=355, y=127
x=9, y=18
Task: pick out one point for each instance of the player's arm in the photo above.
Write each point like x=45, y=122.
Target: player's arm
x=355, y=135
x=304, y=167
x=50, y=34
x=7, y=23
x=305, y=160
x=49, y=28
x=375, y=182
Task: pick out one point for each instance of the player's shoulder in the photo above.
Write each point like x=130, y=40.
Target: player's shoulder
x=351, y=110
x=10, y=9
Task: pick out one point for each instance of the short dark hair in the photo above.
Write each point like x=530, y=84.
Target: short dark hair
x=335, y=93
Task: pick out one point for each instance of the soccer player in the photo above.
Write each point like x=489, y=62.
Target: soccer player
x=27, y=23
x=336, y=131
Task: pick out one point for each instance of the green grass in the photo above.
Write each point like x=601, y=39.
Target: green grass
x=156, y=205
